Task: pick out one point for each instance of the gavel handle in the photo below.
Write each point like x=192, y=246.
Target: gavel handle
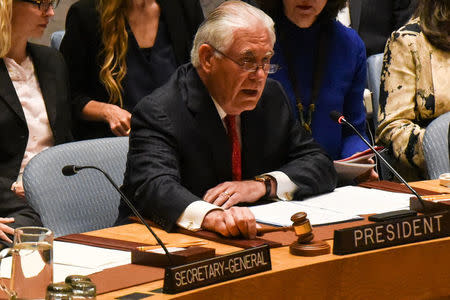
x=261, y=231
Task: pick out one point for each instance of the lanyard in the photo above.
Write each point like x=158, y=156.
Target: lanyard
x=318, y=71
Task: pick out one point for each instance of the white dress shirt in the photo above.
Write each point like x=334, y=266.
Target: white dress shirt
x=40, y=135
x=193, y=215
x=344, y=16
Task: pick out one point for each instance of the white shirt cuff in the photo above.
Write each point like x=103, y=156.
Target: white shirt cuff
x=193, y=215
x=285, y=187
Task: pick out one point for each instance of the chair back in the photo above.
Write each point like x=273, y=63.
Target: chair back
x=374, y=66
x=56, y=38
x=436, y=146
x=85, y=201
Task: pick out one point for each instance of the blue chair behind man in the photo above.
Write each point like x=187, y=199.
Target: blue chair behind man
x=436, y=146
x=56, y=38
x=85, y=201
x=374, y=66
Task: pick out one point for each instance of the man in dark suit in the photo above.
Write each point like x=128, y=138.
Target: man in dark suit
x=375, y=20
x=198, y=142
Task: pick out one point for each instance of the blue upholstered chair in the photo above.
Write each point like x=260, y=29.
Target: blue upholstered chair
x=374, y=66
x=436, y=146
x=82, y=202
x=56, y=38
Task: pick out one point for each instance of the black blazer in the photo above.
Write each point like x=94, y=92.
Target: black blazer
x=375, y=20
x=179, y=148
x=53, y=80
x=82, y=44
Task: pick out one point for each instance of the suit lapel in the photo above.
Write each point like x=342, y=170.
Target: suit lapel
x=47, y=83
x=355, y=13
x=210, y=125
x=8, y=92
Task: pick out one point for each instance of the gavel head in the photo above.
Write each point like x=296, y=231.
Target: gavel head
x=302, y=227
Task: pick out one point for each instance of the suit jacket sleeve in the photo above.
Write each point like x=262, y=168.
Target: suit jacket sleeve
x=152, y=177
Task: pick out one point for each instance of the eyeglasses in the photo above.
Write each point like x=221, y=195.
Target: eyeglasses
x=43, y=5
x=250, y=66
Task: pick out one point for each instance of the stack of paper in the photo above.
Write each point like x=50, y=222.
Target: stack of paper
x=351, y=167
x=359, y=201
x=279, y=214
x=70, y=258
x=343, y=204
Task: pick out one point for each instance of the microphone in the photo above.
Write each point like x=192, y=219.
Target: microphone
x=339, y=118
x=70, y=170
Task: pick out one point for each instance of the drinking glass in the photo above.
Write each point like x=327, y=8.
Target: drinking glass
x=32, y=263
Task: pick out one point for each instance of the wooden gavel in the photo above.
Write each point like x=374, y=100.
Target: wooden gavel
x=301, y=227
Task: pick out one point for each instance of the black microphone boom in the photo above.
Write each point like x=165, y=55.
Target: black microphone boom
x=70, y=170
x=339, y=118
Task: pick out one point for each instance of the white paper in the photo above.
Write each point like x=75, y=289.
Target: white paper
x=170, y=249
x=351, y=167
x=279, y=214
x=60, y=272
x=344, y=203
x=356, y=200
x=88, y=256
x=350, y=170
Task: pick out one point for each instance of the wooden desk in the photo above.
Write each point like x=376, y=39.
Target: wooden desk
x=415, y=271
x=432, y=185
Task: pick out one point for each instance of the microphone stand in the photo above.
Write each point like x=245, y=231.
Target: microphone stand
x=343, y=120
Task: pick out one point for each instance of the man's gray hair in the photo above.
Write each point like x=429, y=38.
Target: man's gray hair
x=219, y=27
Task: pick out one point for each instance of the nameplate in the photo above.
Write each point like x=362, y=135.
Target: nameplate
x=391, y=233
x=214, y=270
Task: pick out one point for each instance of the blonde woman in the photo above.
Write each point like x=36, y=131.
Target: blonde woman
x=119, y=51
x=34, y=103
x=415, y=85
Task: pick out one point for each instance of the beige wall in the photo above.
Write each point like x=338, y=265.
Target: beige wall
x=58, y=21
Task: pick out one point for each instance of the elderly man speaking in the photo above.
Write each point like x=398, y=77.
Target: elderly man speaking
x=219, y=133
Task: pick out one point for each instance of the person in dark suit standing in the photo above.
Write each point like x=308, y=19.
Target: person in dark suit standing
x=375, y=20
x=119, y=51
x=220, y=134
x=34, y=104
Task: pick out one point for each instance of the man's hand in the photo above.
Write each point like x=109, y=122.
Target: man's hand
x=370, y=175
x=6, y=229
x=17, y=188
x=232, y=222
x=231, y=193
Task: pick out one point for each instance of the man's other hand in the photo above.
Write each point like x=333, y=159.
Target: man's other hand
x=370, y=175
x=230, y=193
x=232, y=222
